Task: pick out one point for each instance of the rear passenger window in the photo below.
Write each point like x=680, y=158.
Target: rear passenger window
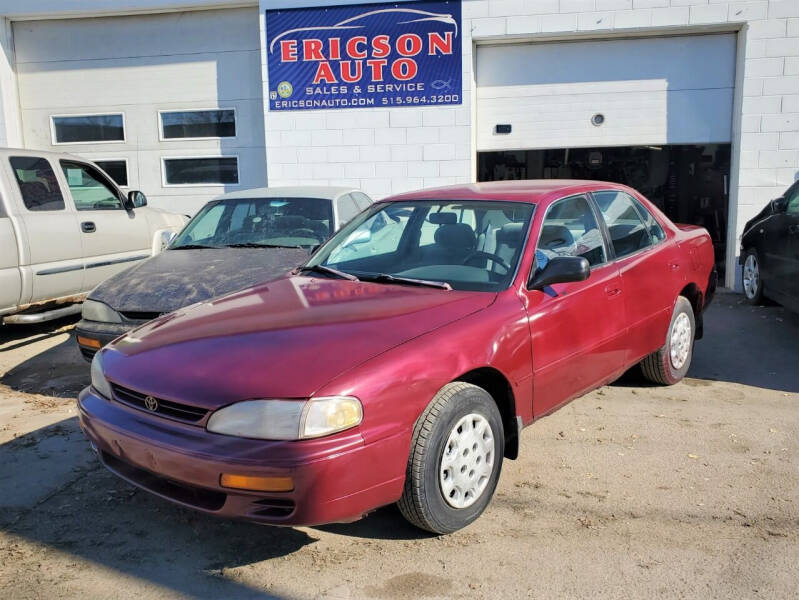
x=652, y=226
x=628, y=233
x=570, y=229
x=37, y=183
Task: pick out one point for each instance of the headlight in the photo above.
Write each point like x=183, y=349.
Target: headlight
x=99, y=311
x=287, y=419
x=99, y=382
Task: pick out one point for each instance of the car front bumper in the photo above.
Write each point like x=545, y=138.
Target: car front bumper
x=93, y=335
x=335, y=479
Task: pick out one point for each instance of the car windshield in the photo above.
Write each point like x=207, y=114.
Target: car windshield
x=469, y=245
x=259, y=222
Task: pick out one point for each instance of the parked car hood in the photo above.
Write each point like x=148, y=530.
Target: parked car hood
x=177, y=278
x=282, y=339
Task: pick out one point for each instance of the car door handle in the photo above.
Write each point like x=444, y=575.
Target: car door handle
x=793, y=228
x=611, y=291
x=674, y=266
x=88, y=227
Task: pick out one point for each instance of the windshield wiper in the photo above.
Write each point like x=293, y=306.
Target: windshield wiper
x=385, y=277
x=193, y=247
x=328, y=271
x=259, y=245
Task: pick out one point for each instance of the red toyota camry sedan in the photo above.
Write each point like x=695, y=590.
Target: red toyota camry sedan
x=401, y=362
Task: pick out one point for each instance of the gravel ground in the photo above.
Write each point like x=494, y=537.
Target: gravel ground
x=629, y=492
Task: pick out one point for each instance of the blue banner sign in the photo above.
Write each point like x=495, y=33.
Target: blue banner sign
x=365, y=56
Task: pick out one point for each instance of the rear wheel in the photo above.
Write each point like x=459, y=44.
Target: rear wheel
x=753, y=284
x=669, y=364
x=455, y=459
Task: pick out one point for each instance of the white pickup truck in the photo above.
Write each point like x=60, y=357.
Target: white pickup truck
x=64, y=228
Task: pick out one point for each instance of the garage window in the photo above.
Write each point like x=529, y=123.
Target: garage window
x=195, y=124
x=205, y=170
x=37, y=183
x=88, y=129
x=117, y=169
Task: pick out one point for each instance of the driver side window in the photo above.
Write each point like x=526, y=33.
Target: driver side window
x=570, y=229
x=89, y=189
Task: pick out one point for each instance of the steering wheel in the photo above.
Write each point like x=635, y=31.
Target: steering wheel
x=495, y=258
x=304, y=232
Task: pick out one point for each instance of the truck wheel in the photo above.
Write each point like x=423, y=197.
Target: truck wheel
x=669, y=365
x=455, y=459
x=753, y=284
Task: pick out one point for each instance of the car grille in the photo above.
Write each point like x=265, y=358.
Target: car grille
x=140, y=315
x=179, y=492
x=165, y=408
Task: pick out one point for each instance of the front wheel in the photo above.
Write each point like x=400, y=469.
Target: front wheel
x=669, y=364
x=753, y=284
x=455, y=459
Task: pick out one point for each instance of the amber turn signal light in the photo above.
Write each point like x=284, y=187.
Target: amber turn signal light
x=256, y=484
x=84, y=341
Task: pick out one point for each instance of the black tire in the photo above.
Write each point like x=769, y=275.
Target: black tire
x=658, y=366
x=753, y=292
x=423, y=503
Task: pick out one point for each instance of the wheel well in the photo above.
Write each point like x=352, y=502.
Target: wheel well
x=694, y=295
x=495, y=383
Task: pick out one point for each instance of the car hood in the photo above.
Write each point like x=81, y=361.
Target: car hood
x=282, y=339
x=177, y=278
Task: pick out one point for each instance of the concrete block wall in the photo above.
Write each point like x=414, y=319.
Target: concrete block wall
x=389, y=151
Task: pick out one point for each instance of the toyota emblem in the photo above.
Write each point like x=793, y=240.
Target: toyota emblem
x=151, y=404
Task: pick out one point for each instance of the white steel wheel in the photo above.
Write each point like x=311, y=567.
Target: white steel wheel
x=680, y=340
x=455, y=459
x=467, y=461
x=670, y=363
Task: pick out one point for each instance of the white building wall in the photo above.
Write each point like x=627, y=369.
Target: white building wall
x=389, y=151
x=10, y=125
x=139, y=65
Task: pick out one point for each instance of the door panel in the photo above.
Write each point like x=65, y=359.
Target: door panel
x=577, y=329
x=50, y=230
x=577, y=337
x=112, y=237
x=10, y=281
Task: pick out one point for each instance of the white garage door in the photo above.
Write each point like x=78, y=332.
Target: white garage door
x=139, y=66
x=669, y=90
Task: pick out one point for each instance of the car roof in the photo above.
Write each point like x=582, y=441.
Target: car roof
x=532, y=190
x=325, y=192
x=43, y=153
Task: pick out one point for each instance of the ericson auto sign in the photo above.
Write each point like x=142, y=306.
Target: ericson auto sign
x=373, y=55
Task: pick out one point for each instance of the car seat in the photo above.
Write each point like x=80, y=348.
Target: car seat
x=454, y=242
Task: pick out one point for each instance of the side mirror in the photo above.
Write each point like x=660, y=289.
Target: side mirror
x=561, y=269
x=136, y=199
x=779, y=205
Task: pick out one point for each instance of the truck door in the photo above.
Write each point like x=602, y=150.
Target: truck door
x=113, y=238
x=52, y=253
